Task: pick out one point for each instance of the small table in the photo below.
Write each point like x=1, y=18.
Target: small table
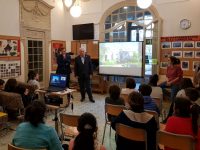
x=61, y=94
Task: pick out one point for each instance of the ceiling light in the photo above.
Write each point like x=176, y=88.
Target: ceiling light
x=75, y=11
x=125, y=7
x=68, y=3
x=144, y=3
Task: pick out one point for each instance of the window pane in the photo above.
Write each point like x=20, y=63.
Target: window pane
x=108, y=19
x=114, y=18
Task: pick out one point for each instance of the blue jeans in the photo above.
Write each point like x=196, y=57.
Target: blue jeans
x=174, y=90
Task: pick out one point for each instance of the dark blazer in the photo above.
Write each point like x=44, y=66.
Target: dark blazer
x=83, y=70
x=63, y=64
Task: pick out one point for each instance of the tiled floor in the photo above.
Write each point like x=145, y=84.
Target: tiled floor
x=96, y=108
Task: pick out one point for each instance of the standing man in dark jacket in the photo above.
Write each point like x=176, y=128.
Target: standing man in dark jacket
x=83, y=70
x=63, y=61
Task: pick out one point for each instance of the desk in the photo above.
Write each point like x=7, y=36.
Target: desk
x=61, y=94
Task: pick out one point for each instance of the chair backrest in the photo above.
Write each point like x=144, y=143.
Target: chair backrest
x=113, y=110
x=155, y=114
x=70, y=121
x=131, y=133
x=158, y=102
x=176, y=141
x=12, y=147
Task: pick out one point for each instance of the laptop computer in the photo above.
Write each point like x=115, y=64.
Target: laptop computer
x=57, y=83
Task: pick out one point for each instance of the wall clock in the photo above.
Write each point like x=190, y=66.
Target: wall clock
x=185, y=24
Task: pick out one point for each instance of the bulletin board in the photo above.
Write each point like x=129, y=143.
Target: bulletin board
x=10, y=57
x=186, y=48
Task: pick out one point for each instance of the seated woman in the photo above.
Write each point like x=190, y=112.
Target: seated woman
x=33, y=133
x=1, y=84
x=182, y=122
x=196, y=77
x=114, y=97
x=185, y=83
x=86, y=139
x=33, y=78
x=136, y=117
x=174, y=75
x=156, y=90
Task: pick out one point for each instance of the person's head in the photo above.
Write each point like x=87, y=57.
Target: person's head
x=35, y=112
x=10, y=85
x=81, y=52
x=87, y=127
x=192, y=94
x=136, y=102
x=172, y=60
x=2, y=84
x=182, y=107
x=63, y=51
x=130, y=83
x=186, y=83
x=32, y=75
x=114, y=92
x=145, y=89
x=153, y=80
x=177, y=61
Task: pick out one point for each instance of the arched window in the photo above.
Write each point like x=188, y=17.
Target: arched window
x=126, y=22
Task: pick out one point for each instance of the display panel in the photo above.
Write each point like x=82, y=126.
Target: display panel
x=83, y=31
x=121, y=58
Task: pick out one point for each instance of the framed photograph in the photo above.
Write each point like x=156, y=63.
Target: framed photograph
x=188, y=54
x=166, y=45
x=188, y=44
x=177, y=44
x=197, y=44
x=84, y=46
x=166, y=55
x=56, y=46
x=164, y=65
x=10, y=47
x=177, y=54
x=185, y=65
x=194, y=64
x=197, y=54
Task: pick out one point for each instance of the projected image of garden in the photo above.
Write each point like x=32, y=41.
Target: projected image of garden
x=126, y=56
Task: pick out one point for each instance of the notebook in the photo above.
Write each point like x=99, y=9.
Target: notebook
x=57, y=83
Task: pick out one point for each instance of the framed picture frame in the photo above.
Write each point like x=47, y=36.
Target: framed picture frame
x=177, y=44
x=188, y=54
x=163, y=65
x=10, y=47
x=197, y=44
x=177, y=54
x=185, y=65
x=197, y=54
x=84, y=46
x=166, y=45
x=56, y=46
x=188, y=44
x=194, y=64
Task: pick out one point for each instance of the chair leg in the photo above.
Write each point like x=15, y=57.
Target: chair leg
x=104, y=133
x=110, y=130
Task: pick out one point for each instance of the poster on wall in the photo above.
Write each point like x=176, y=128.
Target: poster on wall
x=10, y=57
x=56, y=46
x=185, y=48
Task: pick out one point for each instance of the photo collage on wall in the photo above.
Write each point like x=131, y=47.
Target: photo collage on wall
x=10, y=57
x=185, y=48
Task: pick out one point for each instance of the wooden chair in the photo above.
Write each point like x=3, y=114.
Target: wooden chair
x=12, y=147
x=176, y=141
x=113, y=110
x=155, y=114
x=70, y=121
x=132, y=133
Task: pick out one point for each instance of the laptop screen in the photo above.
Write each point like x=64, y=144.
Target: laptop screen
x=58, y=80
